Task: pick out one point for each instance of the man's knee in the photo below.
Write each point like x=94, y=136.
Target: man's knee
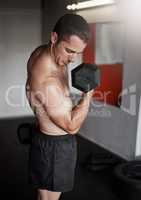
x=53, y=195
x=48, y=195
x=42, y=194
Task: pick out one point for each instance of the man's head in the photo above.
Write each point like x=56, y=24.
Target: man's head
x=69, y=38
x=72, y=24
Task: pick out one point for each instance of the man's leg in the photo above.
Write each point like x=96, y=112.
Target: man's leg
x=53, y=195
x=48, y=195
x=42, y=194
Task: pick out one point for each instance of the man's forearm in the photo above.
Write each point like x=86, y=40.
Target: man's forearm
x=79, y=112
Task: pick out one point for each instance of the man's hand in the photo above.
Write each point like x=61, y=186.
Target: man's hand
x=88, y=95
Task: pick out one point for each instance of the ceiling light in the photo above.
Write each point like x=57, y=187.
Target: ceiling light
x=89, y=4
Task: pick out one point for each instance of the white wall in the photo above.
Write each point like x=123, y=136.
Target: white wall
x=116, y=128
x=20, y=33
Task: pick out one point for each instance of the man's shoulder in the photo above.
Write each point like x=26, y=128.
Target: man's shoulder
x=37, y=58
x=39, y=50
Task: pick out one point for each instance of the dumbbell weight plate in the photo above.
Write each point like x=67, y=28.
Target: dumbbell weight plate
x=85, y=77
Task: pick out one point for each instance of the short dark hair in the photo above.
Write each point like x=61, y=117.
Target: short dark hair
x=72, y=24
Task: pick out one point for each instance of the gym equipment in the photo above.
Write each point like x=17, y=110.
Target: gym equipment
x=100, y=161
x=128, y=180
x=85, y=77
x=24, y=133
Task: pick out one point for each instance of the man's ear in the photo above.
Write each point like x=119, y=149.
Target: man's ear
x=54, y=37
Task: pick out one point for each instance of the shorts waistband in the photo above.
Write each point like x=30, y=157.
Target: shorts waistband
x=44, y=135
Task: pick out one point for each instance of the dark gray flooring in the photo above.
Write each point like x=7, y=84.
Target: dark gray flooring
x=91, y=185
x=95, y=184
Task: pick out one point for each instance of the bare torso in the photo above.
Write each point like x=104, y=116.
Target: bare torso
x=36, y=76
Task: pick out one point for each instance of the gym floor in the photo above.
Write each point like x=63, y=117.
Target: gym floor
x=90, y=183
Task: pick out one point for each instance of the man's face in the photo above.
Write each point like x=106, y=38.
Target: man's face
x=68, y=49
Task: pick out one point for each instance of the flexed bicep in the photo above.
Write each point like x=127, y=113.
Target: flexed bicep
x=58, y=107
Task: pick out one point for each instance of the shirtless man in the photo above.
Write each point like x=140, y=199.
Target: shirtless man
x=53, y=150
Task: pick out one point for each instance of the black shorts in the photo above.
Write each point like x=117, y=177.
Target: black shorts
x=52, y=162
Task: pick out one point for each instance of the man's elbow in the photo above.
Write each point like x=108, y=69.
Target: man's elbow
x=72, y=130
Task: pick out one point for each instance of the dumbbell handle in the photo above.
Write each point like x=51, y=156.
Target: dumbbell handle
x=88, y=94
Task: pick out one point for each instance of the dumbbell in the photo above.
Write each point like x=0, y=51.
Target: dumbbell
x=85, y=77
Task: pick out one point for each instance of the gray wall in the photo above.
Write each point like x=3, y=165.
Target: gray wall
x=32, y=4
x=20, y=33
x=52, y=10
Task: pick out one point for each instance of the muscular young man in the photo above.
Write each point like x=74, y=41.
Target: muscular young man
x=53, y=150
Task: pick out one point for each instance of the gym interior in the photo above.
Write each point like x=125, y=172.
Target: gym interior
x=109, y=142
